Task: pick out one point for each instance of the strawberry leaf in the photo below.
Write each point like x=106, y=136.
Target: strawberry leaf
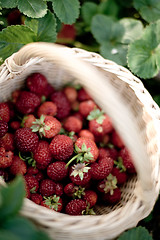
x=66, y=10
x=89, y=9
x=5, y=235
x=33, y=8
x=9, y=3
x=138, y=233
x=44, y=28
x=148, y=9
x=144, y=53
x=109, y=7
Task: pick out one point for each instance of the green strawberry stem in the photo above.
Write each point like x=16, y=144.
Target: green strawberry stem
x=72, y=159
x=28, y=159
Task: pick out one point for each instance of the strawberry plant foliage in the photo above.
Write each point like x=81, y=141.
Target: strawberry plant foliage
x=139, y=233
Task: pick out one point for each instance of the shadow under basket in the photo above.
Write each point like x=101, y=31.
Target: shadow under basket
x=134, y=114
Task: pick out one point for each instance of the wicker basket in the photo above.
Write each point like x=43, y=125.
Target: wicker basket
x=134, y=114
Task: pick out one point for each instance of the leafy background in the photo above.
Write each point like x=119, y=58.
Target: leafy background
x=127, y=32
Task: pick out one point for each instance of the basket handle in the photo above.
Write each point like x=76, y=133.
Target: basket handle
x=97, y=85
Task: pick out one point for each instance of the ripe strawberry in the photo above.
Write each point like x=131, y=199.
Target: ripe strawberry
x=32, y=170
x=83, y=95
x=32, y=183
x=75, y=207
x=70, y=93
x=113, y=198
x=4, y=112
x=6, y=158
x=15, y=95
x=80, y=174
x=3, y=128
x=86, y=134
x=15, y=125
x=37, y=198
x=108, y=152
x=121, y=176
x=18, y=166
x=75, y=106
x=67, y=33
x=108, y=184
x=102, y=168
x=99, y=123
x=7, y=141
x=27, y=102
x=36, y=83
x=78, y=115
x=25, y=140
x=59, y=189
x=47, y=187
x=28, y=120
x=72, y=123
x=42, y=155
x=47, y=108
x=47, y=126
x=53, y=202
x=27, y=190
x=87, y=148
x=49, y=89
x=62, y=103
x=74, y=191
x=116, y=140
x=14, y=17
x=61, y=147
x=40, y=176
x=57, y=171
x=127, y=160
x=86, y=107
x=90, y=197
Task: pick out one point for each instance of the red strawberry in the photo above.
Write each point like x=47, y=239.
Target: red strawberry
x=14, y=17
x=4, y=112
x=32, y=170
x=3, y=128
x=28, y=120
x=86, y=107
x=108, y=152
x=47, y=108
x=62, y=103
x=80, y=174
x=47, y=187
x=39, y=176
x=7, y=141
x=47, y=126
x=75, y=106
x=87, y=134
x=75, y=207
x=18, y=166
x=57, y=171
x=15, y=125
x=121, y=176
x=25, y=140
x=127, y=160
x=15, y=95
x=108, y=184
x=99, y=123
x=83, y=95
x=6, y=158
x=59, y=189
x=42, y=155
x=27, y=190
x=116, y=140
x=32, y=183
x=90, y=197
x=61, y=147
x=49, y=89
x=37, y=198
x=74, y=191
x=36, y=83
x=67, y=33
x=102, y=168
x=53, y=202
x=27, y=102
x=70, y=93
x=72, y=124
x=113, y=198
x=78, y=115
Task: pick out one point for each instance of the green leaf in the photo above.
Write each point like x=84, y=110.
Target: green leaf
x=89, y=9
x=5, y=235
x=12, y=198
x=66, y=10
x=13, y=38
x=144, y=53
x=138, y=233
x=9, y=3
x=148, y=9
x=157, y=99
x=115, y=52
x=109, y=7
x=33, y=8
x=132, y=29
x=44, y=28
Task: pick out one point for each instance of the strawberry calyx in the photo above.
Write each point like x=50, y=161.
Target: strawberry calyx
x=119, y=164
x=79, y=191
x=109, y=184
x=39, y=126
x=79, y=169
x=88, y=210
x=69, y=134
x=96, y=114
x=52, y=202
x=28, y=158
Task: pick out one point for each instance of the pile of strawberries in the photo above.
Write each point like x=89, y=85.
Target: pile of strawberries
x=64, y=145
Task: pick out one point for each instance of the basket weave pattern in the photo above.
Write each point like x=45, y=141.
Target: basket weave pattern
x=134, y=114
